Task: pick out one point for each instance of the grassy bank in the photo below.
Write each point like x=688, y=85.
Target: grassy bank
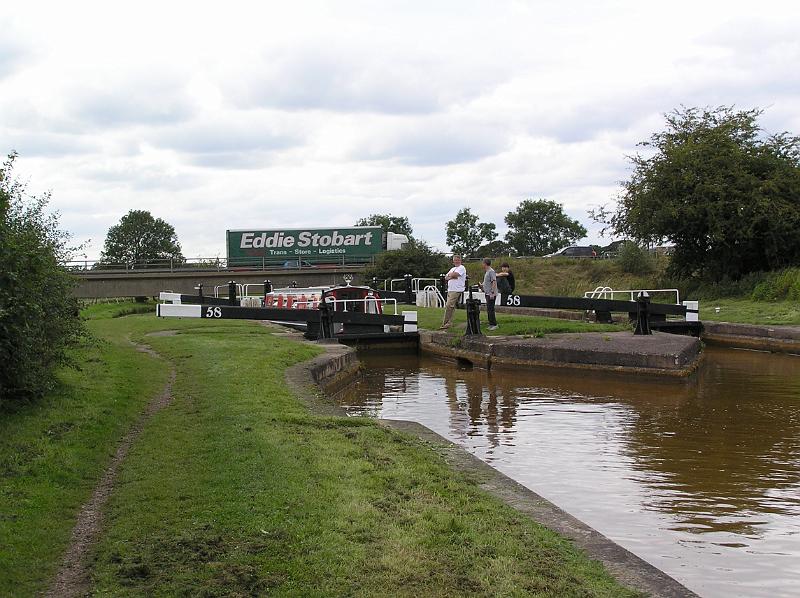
x=747, y=311
x=758, y=298
x=236, y=489
x=53, y=451
x=570, y=277
x=430, y=318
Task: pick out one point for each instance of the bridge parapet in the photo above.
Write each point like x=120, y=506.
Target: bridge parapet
x=95, y=284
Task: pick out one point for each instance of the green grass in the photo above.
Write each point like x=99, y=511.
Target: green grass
x=568, y=277
x=430, y=318
x=53, y=451
x=236, y=489
x=747, y=311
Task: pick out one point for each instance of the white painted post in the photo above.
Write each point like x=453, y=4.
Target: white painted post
x=692, y=305
x=409, y=321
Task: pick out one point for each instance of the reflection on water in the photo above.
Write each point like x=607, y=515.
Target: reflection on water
x=700, y=478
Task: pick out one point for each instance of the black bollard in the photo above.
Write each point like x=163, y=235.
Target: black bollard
x=409, y=294
x=267, y=287
x=375, y=282
x=443, y=285
x=231, y=292
x=473, y=316
x=325, y=322
x=199, y=288
x=642, y=314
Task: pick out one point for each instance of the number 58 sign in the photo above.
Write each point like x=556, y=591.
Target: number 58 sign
x=513, y=300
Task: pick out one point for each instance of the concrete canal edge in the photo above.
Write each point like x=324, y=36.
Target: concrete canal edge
x=659, y=354
x=339, y=366
x=778, y=339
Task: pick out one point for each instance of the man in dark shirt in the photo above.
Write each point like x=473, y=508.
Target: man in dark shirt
x=505, y=279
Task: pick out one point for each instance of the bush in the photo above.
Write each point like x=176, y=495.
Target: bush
x=634, y=260
x=38, y=316
x=780, y=285
x=417, y=259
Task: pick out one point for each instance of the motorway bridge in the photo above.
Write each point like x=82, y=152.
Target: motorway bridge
x=98, y=284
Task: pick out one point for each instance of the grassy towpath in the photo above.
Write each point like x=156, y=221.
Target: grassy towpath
x=236, y=489
x=52, y=452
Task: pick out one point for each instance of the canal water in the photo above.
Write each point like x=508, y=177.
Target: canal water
x=700, y=478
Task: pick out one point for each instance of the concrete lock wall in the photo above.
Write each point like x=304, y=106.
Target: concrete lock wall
x=98, y=286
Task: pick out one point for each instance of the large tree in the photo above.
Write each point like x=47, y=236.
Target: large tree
x=539, y=227
x=389, y=223
x=465, y=234
x=724, y=193
x=39, y=319
x=495, y=248
x=140, y=238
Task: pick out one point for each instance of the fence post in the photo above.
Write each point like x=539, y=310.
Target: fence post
x=642, y=314
x=325, y=323
x=231, y=292
x=409, y=294
x=200, y=292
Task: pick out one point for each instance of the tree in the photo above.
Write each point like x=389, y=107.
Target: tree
x=465, y=234
x=140, y=238
x=726, y=195
x=39, y=319
x=539, y=227
x=495, y=249
x=417, y=258
x=389, y=223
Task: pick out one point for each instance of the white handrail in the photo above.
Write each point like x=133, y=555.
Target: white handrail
x=392, y=281
x=416, y=282
x=440, y=301
x=239, y=289
x=364, y=300
x=606, y=291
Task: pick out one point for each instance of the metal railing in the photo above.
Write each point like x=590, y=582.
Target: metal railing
x=219, y=264
x=367, y=301
x=609, y=293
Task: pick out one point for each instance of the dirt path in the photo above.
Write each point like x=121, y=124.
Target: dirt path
x=72, y=578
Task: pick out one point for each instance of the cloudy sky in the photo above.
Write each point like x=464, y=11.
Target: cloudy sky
x=277, y=114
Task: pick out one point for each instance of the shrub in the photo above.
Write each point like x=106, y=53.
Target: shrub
x=776, y=286
x=634, y=260
x=38, y=316
x=417, y=259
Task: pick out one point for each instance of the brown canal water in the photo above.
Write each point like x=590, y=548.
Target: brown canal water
x=700, y=478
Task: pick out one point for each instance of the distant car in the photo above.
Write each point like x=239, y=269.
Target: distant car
x=297, y=264
x=574, y=251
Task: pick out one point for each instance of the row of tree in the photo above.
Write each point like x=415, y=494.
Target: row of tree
x=536, y=227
